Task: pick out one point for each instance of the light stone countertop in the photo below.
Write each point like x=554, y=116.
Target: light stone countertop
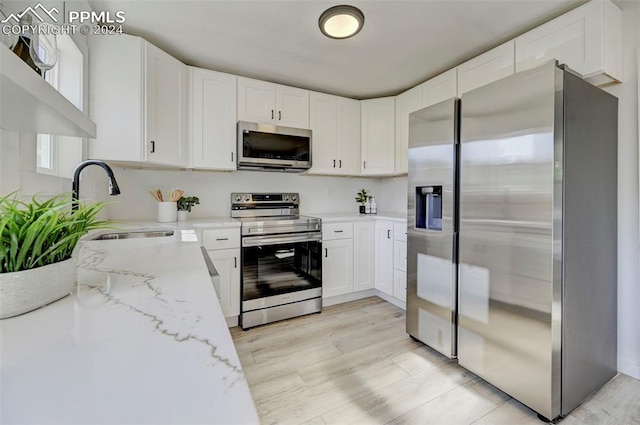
x=354, y=216
x=142, y=339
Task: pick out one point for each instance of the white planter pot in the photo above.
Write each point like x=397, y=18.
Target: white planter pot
x=28, y=290
x=183, y=215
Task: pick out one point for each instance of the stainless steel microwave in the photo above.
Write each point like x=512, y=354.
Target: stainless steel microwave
x=268, y=147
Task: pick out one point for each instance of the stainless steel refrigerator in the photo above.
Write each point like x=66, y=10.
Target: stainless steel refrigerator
x=512, y=223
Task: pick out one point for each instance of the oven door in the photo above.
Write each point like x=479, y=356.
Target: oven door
x=280, y=269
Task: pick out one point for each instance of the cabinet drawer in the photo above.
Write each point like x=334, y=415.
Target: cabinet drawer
x=331, y=231
x=400, y=232
x=221, y=238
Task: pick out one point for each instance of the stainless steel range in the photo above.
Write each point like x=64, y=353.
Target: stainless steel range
x=281, y=258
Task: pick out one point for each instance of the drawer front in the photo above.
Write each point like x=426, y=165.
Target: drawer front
x=331, y=231
x=400, y=231
x=221, y=238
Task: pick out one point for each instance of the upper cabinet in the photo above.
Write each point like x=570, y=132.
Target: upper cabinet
x=378, y=136
x=488, y=67
x=335, y=125
x=588, y=39
x=264, y=102
x=442, y=87
x=138, y=98
x=212, y=120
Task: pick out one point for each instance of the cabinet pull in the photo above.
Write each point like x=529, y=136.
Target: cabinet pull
x=388, y=234
x=231, y=156
x=222, y=239
x=340, y=162
x=338, y=231
x=272, y=114
x=235, y=262
x=279, y=115
x=326, y=253
x=365, y=165
x=153, y=146
x=334, y=163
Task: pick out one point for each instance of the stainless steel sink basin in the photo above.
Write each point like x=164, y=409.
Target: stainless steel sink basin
x=132, y=235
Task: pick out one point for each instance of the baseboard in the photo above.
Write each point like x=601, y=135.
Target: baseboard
x=232, y=321
x=629, y=367
x=340, y=299
x=388, y=298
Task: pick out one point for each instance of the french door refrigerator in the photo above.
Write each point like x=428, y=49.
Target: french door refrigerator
x=525, y=281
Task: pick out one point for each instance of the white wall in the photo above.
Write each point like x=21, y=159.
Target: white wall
x=317, y=193
x=628, y=197
x=393, y=195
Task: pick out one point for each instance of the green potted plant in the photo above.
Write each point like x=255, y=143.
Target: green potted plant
x=185, y=204
x=38, y=240
x=362, y=197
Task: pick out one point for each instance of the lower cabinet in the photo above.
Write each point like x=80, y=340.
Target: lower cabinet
x=400, y=261
x=384, y=257
x=400, y=284
x=227, y=263
x=337, y=267
x=363, y=256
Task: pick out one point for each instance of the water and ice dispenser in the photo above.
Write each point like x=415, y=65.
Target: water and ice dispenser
x=429, y=207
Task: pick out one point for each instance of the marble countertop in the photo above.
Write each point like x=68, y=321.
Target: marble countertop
x=142, y=339
x=332, y=217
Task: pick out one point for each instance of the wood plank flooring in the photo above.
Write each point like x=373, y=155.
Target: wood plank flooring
x=354, y=364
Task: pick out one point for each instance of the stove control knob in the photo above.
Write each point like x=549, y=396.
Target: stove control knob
x=286, y=198
x=237, y=198
x=246, y=197
x=294, y=198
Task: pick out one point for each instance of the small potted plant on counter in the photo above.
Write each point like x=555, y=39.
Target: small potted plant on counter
x=38, y=240
x=362, y=197
x=184, y=206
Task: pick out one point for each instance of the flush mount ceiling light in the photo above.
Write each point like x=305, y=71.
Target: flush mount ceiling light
x=341, y=21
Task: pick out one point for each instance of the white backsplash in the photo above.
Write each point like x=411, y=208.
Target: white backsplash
x=393, y=195
x=318, y=194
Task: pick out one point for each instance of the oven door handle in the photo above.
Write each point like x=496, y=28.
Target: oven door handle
x=249, y=241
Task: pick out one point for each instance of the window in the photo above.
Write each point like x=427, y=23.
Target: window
x=58, y=155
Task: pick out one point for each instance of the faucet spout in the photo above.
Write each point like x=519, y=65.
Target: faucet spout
x=114, y=189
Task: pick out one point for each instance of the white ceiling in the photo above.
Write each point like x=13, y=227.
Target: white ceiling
x=402, y=43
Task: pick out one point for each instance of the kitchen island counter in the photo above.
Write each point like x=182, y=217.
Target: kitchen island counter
x=142, y=339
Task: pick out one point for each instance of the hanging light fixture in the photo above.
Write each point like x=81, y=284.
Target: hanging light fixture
x=340, y=22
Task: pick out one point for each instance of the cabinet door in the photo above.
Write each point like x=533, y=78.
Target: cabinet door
x=488, y=67
x=227, y=263
x=400, y=285
x=384, y=257
x=166, y=108
x=337, y=267
x=256, y=101
x=378, y=136
x=442, y=87
x=400, y=255
x=348, y=136
x=407, y=102
x=324, y=126
x=292, y=107
x=212, y=130
x=587, y=39
x=363, y=256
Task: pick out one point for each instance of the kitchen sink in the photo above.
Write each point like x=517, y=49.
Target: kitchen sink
x=133, y=235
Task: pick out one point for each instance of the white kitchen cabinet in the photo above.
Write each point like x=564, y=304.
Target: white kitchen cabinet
x=337, y=267
x=439, y=88
x=400, y=285
x=490, y=66
x=363, y=255
x=384, y=257
x=335, y=123
x=138, y=99
x=264, y=102
x=212, y=120
x=227, y=263
x=588, y=39
x=406, y=103
x=378, y=136
x=400, y=261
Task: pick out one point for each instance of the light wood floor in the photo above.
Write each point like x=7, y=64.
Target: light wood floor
x=354, y=364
